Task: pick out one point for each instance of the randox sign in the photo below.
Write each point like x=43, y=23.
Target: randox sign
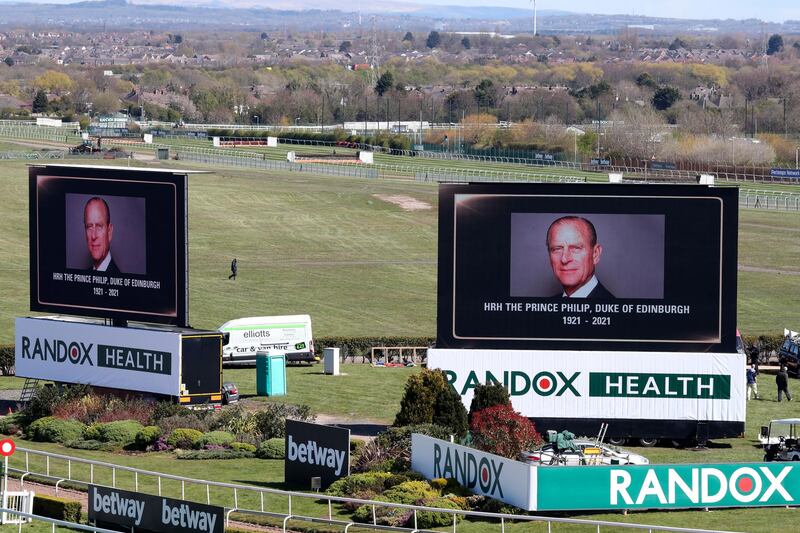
x=144, y=512
x=482, y=473
x=316, y=450
x=80, y=352
x=668, y=486
x=603, y=385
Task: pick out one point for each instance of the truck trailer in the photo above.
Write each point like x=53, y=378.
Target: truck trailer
x=182, y=364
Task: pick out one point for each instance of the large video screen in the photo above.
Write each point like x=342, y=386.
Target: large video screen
x=109, y=242
x=604, y=266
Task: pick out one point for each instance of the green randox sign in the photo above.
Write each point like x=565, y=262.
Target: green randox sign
x=668, y=486
x=650, y=385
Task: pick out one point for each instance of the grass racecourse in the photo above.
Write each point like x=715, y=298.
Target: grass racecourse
x=345, y=252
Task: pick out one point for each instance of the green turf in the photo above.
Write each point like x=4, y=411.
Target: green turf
x=361, y=392
x=327, y=246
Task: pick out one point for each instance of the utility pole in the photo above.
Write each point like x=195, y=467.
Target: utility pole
x=598, y=129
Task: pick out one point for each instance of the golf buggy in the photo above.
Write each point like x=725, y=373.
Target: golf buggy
x=780, y=440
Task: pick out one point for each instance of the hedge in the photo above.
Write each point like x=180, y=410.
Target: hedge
x=272, y=449
x=51, y=429
x=216, y=438
x=362, y=346
x=123, y=431
x=58, y=508
x=184, y=438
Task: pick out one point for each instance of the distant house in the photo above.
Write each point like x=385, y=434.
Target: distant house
x=711, y=97
x=10, y=102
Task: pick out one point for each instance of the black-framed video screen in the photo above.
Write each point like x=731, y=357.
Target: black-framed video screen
x=109, y=242
x=587, y=267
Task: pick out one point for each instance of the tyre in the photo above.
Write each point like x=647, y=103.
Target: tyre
x=617, y=441
x=647, y=442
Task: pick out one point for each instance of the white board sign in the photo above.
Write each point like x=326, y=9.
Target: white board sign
x=604, y=385
x=104, y=356
x=483, y=473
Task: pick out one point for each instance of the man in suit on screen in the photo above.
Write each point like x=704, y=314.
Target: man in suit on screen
x=99, y=232
x=574, y=253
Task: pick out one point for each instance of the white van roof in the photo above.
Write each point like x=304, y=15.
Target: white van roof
x=265, y=321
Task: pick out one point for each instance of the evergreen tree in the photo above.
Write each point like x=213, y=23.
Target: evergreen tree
x=775, y=44
x=40, y=103
x=664, y=97
x=433, y=40
x=385, y=83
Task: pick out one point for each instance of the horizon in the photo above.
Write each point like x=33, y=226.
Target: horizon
x=779, y=11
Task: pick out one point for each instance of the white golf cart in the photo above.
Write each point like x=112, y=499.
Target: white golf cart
x=781, y=440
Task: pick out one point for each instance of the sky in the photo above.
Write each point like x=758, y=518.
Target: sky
x=769, y=10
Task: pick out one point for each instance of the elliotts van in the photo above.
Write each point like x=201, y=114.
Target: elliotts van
x=288, y=335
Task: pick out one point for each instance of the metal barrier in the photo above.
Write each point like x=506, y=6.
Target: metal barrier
x=60, y=523
x=47, y=154
x=773, y=200
x=249, y=499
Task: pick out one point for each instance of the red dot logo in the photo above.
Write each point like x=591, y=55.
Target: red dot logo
x=485, y=474
x=544, y=383
x=745, y=484
x=7, y=447
x=74, y=352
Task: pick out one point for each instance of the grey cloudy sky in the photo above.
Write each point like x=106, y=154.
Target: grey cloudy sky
x=770, y=10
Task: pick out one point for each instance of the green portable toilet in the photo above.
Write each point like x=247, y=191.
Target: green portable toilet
x=270, y=374
x=162, y=153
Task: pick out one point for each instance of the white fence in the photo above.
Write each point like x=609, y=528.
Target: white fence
x=249, y=499
x=17, y=501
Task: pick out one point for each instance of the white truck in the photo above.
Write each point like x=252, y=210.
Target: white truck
x=288, y=335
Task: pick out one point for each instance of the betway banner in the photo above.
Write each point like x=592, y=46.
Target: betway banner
x=603, y=385
x=315, y=450
x=668, y=486
x=483, y=473
x=103, y=356
x=136, y=511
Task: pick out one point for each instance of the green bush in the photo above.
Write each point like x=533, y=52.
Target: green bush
x=272, y=449
x=147, y=436
x=10, y=424
x=356, y=445
x=410, y=492
x=7, y=360
x=184, y=438
x=432, y=519
x=243, y=447
x=167, y=409
x=94, y=445
x=46, y=398
x=358, y=483
x=123, y=431
x=58, y=508
x=92, y=432
x=212, y=454
x=271, y=421
x=51, y=429
x=488, y=395
x=216, y=438
x=428, y=398
x=235, y=420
